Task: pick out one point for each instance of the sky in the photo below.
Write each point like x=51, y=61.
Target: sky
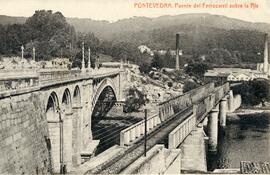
x=113, y=10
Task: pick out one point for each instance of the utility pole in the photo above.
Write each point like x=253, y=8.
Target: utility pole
x=62, y=165
x=145, y=131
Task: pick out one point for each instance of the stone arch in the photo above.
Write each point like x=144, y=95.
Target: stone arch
x=104, y=97
x=76, y=97
x=52, y=115
x=52, y=107
x=66, y=105
x=107, y=82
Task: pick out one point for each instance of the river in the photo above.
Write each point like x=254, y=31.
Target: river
x=245, y=138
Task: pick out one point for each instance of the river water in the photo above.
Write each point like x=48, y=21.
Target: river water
x=245, y=138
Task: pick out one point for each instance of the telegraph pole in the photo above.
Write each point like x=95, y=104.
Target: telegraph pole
x=145, y=131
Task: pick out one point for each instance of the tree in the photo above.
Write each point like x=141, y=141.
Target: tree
x=253, y=93
x=134, y=101
x=196, y=69
x=51, y=34
x=157, y=62
x=189, y=85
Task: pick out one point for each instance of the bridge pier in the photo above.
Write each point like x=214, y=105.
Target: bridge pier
x=67, y=138
x=223, y=112
x=213, y=129
x=76, y=136
x=230, y=102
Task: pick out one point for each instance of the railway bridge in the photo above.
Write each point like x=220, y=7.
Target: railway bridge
x=175, y=119
x=46, y=119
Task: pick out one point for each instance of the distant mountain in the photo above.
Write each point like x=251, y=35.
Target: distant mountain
x=110, y=31
x=202, y=34
x=4, y=20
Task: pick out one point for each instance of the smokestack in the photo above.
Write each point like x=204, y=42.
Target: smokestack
x=177, y=51
x=265, y=64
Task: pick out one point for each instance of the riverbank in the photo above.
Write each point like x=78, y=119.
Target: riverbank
x=245, y=138
x=243, y=111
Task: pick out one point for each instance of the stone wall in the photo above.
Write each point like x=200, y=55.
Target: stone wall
x=23, y=133
x=158, y=160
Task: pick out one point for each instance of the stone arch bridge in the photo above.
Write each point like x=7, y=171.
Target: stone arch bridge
x=63, y=103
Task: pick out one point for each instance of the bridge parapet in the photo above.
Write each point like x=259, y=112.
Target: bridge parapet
x=202, y=100
x=221, y=91
x=179, y=134
x=179, y=103
x=12, y=81
x=16, y=82
x=136, y=131
x=53, y=77
x=200, y=110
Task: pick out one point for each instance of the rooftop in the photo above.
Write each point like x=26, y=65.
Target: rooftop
x=248, y=167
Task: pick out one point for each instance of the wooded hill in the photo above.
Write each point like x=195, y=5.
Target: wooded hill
x=216, y=39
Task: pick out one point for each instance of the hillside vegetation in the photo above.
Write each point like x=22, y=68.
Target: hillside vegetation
x=212, y=39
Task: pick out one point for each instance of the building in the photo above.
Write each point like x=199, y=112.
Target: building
x=239, y=74
x=234, y=74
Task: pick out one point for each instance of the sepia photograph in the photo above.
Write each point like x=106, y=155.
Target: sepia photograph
x=134, y=87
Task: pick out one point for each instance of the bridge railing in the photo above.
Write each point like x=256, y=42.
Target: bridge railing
x=22, y=80
x=136, y=131
x=207, y=104
x=178, y=135
x=203, y=99
x=11, y=80
x=179, y=103
x=51, y=77
x=104, y=72
x=200, y=109
x=221, y=91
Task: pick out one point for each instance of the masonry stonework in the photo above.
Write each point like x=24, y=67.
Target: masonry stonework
x=24, y=130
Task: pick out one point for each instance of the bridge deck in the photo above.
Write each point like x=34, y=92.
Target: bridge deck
x=22, y=81
x=134, y=152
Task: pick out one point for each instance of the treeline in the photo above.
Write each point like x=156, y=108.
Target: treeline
x=48, y=32
x=253, y=92
x=214, y=45
x=52, y=36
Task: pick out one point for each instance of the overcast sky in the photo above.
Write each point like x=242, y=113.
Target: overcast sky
x=113, y=10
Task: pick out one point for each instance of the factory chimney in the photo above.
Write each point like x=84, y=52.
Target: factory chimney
x=265, y=64
x=177, y=52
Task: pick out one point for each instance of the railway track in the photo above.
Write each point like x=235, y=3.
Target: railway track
x=118, y=164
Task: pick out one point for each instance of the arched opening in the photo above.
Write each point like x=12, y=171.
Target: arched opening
x=104, y=103
x=108, y=119
x=77, y=97
x=66, y=102
x=53, y=142
x=52, y=106
x=100, y=128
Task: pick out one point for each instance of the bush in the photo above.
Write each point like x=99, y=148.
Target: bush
x=135, y=101
x=196, y=69
x=189, y=85
x=145, y=68
x=170, y=84
x=253, y=93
